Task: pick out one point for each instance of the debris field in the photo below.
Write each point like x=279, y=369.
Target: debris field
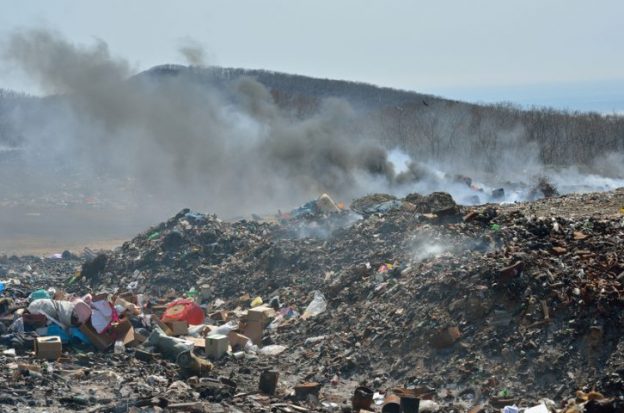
x=329, y=308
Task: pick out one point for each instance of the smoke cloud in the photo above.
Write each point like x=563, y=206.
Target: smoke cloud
x=193, y=53
x=228, y=150
x=142, y=146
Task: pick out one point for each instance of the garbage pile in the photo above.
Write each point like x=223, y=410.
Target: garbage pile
x=398, y=305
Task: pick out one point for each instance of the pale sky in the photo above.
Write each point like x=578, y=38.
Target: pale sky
x=559, y=52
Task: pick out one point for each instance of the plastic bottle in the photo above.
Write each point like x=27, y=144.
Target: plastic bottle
x=193, y=294
x=119, y=347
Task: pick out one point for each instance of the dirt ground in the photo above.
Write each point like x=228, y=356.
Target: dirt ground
x=53, y=229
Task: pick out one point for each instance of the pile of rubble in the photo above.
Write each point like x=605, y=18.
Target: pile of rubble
x=413, y=304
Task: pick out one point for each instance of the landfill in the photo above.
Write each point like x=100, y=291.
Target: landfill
x=385, y=305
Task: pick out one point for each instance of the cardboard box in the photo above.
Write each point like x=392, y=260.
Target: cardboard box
x=261, y=313
x=216, y=346
x=178, y=328
x=164, y=327
x=123, y=331
x=130, y=307
x=253, y=330
x=220, y=315
x=237, y=340
x=99, y=341
x=48, y=348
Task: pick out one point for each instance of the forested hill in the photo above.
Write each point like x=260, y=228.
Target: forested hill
x=430, y=127
x=360, y=95
x=483, y=137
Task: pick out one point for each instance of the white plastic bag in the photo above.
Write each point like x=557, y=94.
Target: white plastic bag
x=540, y=408
x=196, y=330
x=225, y=328
x=316, y=307
x=250, y=347
x=272, y=350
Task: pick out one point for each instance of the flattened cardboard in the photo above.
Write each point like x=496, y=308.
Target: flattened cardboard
x=197, y=341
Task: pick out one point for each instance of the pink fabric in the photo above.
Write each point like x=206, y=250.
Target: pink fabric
x=82, y=311
x=87, y=298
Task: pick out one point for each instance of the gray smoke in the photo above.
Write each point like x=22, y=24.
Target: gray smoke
x=227, y=150
x=193, y=53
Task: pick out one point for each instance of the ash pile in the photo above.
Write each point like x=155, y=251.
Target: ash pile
x=390, y=305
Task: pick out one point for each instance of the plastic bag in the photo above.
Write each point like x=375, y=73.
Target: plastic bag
x=226, y=328
x=316, y=307
x=196, y=330
x=39, y=294
x=272, y=350
x=250, y=347
x=184, y=309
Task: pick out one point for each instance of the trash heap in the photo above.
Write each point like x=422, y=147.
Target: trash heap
x=391, y=305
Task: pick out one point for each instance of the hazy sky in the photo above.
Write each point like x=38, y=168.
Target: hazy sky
x=560, y=52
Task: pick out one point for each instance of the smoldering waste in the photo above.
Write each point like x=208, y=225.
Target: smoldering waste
x=465, y=308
